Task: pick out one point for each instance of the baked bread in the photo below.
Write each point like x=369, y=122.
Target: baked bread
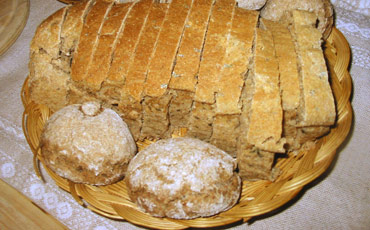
x=183, y=178
x=187, y=64
x=251, y=4
x=87, y=144
x=276, y=9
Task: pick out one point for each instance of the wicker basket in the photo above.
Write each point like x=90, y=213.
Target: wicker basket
x=257, y=197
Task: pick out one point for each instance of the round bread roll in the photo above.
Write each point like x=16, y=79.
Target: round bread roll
x=183, y=178
x=275, y=9
x=251, y=4
x=87, y=144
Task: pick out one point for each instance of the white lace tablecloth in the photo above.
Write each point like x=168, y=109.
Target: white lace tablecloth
x=340, y=199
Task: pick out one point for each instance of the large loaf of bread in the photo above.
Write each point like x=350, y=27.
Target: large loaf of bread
x=252, y=88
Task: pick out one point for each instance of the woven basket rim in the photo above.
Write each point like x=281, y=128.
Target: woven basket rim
x=257, y=198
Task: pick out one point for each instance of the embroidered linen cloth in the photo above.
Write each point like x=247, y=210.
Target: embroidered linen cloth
x=338, y=200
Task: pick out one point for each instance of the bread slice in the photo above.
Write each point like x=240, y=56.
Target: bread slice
x=112, y=26
x=131, y=93
x=254, y=161
x=88, y=40
x=266, y=118
x=72, y=26
x=225, y=132
x=127, y=43
x=156, y=97
x=236, y=60
x=317, y=107
x=289, y=77
x=214, y=50
x=184, y=75
x=162, y=62
x=137, y=72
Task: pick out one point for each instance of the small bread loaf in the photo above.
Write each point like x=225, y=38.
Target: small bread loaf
x=276, y=9
x=183, y=178
x=251, y=4
x=87, y=144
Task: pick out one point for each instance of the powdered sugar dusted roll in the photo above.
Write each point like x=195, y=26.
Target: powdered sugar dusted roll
x=87, y=144
x=183, y=178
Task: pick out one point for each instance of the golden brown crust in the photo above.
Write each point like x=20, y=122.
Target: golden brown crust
x=214, y=51
x=318, y=106
x=98, y=70
x=189, y=54
x=88, y=40
x=266, y=118
x=288, y=68
x=72, y=26
x=236, y=60
x=289, y=78
x=127, y=42
x=131, y=93
x=137, y=73
x=161, y=65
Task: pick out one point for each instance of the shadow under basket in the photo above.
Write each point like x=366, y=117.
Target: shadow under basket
x=257, y=198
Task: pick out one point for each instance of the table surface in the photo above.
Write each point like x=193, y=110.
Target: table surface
x=339, y=199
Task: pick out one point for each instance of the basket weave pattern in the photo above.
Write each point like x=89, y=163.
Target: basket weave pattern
x=257, y=197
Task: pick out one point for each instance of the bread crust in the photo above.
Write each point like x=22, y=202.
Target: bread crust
x=183, y=178
x=127, y=43
x=107, y=41
x=87, y=144
x=266, y=118
x=162, y=62
x=184, y=75
x=49, y=82
x=318, y=106
x=276, y=9
x=214, y=51
x=89, y=39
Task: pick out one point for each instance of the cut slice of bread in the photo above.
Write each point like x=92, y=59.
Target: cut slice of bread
x=266, y=115
x=317, y=108
x=184, y=75
x=214, y=50
x=162, y=62
x=131, y=92
x=88, y=40
x=112, y=26
x=289, y=78
x=127, y=43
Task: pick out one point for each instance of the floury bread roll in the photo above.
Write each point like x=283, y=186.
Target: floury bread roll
x=276, y=9
x=87, y=144
x=251, y=4
x=190, y=64
x=183, y=178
